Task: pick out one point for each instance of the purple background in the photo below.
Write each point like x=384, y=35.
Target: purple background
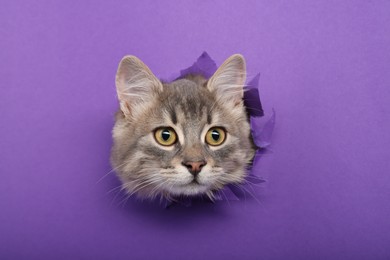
x=325, y=68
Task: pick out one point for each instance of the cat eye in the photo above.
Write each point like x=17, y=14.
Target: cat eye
x=165, y=136
x=215, y=136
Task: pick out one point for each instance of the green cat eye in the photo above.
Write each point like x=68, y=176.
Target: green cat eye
x=215, y=136
x=165, y=136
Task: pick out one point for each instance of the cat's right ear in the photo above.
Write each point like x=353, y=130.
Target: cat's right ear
x=136, y=85
x=229, y=80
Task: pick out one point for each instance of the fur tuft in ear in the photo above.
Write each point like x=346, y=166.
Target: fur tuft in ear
x=229, y=80
x=135, y=84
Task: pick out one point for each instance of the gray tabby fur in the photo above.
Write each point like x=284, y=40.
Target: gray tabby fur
x=191, y=106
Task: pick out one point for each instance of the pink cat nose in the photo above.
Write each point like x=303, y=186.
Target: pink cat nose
x=194, y=167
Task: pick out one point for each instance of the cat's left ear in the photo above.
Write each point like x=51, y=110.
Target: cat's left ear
x=229, y=80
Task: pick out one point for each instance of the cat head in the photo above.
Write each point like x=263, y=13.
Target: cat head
x=187, y=137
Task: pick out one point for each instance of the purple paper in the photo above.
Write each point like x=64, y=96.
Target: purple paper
x=204, y=66
x=324, y=68
x=262, y=131
x=252, y=98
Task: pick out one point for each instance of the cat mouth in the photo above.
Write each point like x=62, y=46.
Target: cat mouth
x=194, y=181
x=191, y=188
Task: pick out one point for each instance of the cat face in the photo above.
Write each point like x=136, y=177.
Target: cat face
x=188, y=137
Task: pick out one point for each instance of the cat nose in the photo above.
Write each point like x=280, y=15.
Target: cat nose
x=194, y=167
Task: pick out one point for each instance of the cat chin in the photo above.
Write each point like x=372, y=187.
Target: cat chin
x=191, y=189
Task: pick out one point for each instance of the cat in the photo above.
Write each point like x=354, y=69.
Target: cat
x=189, y=137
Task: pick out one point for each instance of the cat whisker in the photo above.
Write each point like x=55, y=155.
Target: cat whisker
x=231, y=178
x=250, y=193
x=112, y=170
x=143, y=185
x=246, y=182
x=118, y=191
x=123, y=201
x=243, y=191
x=226, y=198
x=158, y=186
x=114, y=189
x=210, y=194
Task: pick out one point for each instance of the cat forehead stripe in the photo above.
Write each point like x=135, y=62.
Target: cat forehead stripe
x=173, y=115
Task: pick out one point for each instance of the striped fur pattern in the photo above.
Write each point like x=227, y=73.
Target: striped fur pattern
x=191, y=106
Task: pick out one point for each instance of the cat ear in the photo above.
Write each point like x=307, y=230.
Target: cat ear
x=135, y=85
x=229, y=80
